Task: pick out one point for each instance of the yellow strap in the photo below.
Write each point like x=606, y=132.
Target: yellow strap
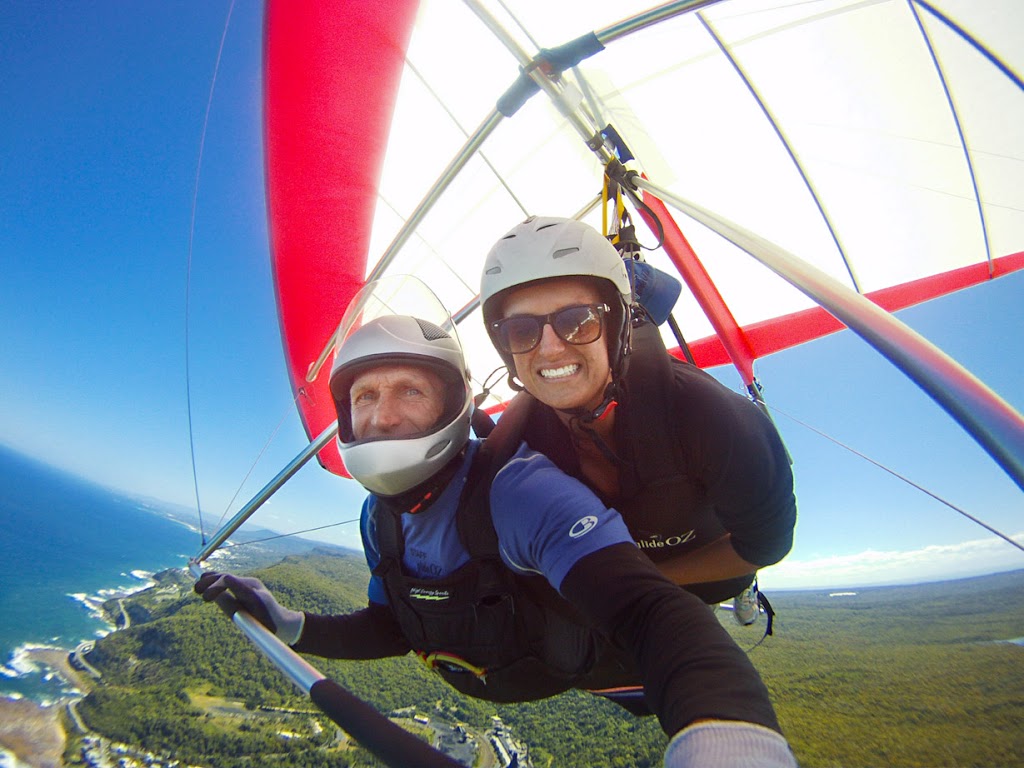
x=431, y=660
x=620, y=207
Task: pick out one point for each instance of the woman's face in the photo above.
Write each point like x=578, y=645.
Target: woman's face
x=557, y=373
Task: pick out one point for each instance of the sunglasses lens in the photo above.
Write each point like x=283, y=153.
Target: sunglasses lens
x=520, y=334
x=578, y=325
x=575, y=325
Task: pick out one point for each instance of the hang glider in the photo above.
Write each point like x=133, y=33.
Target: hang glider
x=809, y=165
x=856, y=148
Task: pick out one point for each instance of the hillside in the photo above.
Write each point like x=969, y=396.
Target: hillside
x=903, y=676
x=895, y=676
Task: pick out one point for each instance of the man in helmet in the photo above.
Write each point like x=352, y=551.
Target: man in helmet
x=697, y=472
x=508, y=577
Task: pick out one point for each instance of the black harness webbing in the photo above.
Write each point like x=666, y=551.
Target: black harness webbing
x=473, y=518
x=475, y=529
x=491, y=633
x=769, y=615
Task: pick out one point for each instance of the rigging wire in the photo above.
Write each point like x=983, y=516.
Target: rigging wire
x=905, y=479
x=188, y=268
x=455, y=120
x=288, y=411
x=232, y=544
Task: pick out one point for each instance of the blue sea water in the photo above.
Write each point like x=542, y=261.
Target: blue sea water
x=65, y=544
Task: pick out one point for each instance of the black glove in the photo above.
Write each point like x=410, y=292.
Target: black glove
x=256, y=599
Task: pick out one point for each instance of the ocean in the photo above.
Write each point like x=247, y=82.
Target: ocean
x=66, y=546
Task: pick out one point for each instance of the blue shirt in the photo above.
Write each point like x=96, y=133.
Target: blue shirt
x=546, y=522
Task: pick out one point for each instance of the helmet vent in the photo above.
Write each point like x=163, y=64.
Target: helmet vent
x=564, y=252
x=430, y=331
x=438, y=448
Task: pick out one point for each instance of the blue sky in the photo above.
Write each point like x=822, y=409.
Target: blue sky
x=98, y=162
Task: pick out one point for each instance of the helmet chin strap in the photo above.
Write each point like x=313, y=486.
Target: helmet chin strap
x=421, y=497
x=582, y=420
x=583, y=415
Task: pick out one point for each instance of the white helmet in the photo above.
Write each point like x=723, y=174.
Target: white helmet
x=388, y=466
x=541, y=248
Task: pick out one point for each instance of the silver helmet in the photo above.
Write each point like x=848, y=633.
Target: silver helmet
x=542, y=248
x=388, y=466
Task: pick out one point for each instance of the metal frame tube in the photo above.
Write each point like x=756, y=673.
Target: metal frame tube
x=649, y=18
x=470, y=148
x=297, y=669
x=268, y=490
x=703, y=289
x=388, y=741
x=444, y=181
x=989, y=419
x=556, y=91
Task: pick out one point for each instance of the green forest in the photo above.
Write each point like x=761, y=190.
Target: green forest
x=894, y=676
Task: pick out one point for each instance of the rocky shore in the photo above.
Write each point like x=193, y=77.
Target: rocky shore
x=32, y=733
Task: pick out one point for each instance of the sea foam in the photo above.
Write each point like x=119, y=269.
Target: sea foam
x=8, y=760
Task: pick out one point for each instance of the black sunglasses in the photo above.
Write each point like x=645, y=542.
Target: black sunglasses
x=579, y=324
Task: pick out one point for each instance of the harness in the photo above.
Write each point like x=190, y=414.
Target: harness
x=661, y=497
x=661, y=472
x=489, y=632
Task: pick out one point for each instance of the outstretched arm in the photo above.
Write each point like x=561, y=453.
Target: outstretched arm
x=691, y=668
x=694, y=675
x=706, y=693
x=371, y=633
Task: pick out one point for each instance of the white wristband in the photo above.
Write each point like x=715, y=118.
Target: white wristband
x=728, y=744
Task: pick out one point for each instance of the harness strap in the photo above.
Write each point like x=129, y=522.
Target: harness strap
x=646, y=391
x=769, y=614
x=473, y=519
x=451, y=663
x=475, y=525
x=389, y=534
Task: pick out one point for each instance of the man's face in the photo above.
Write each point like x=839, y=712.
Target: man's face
x=396, y=401
x=557, y=373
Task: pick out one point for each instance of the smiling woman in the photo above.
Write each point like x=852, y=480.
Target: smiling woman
x=699, y=474
x=564, y=373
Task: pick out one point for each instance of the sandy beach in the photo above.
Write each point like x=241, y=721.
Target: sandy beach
x=57, y=660
x=32, y=732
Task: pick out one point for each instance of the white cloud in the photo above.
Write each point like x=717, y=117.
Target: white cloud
x=873, y=567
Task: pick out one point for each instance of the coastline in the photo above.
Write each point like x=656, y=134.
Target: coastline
x=31, y=733
x=56, y=659
x=35, y=730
